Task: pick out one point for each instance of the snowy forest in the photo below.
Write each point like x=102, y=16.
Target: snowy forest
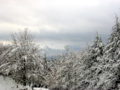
x=94, y=68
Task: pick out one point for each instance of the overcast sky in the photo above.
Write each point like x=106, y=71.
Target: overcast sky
x=57, y=23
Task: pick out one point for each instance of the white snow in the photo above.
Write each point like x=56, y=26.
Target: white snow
x=9, y=84
x=4, y=64
x=40, y=89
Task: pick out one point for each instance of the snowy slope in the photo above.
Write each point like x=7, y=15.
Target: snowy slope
x=9, y=84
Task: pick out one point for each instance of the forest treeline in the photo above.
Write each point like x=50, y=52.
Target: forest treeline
x=95, y=68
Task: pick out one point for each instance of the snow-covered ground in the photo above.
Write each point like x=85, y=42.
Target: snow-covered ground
x=40, y=89
x=9, y=84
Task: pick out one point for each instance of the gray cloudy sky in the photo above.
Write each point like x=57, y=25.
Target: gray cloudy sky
x=57, y=23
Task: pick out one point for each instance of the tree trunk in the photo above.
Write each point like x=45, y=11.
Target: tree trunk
x=24, y=75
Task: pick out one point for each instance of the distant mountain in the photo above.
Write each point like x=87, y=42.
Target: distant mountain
x=51, y=53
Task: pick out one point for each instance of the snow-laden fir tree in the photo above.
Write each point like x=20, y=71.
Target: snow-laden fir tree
x=78, y=70
x=22, y=61
x=64, y=74
x=95, y=53
x=111, y=60
x=95, y=50
x=89, y=65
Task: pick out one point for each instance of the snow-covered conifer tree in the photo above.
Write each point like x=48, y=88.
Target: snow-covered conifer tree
x=111, y=59
x=91, y=63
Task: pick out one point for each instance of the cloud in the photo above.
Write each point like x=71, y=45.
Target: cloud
x=58, y=21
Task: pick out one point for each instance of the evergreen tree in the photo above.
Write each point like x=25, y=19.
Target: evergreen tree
x=96, y=49
x=92, y=63
x=113, y=45
x=45, y=62
x=111, y=58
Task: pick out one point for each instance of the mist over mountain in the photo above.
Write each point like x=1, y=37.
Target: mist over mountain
x=50, y=53
x=54, y=53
